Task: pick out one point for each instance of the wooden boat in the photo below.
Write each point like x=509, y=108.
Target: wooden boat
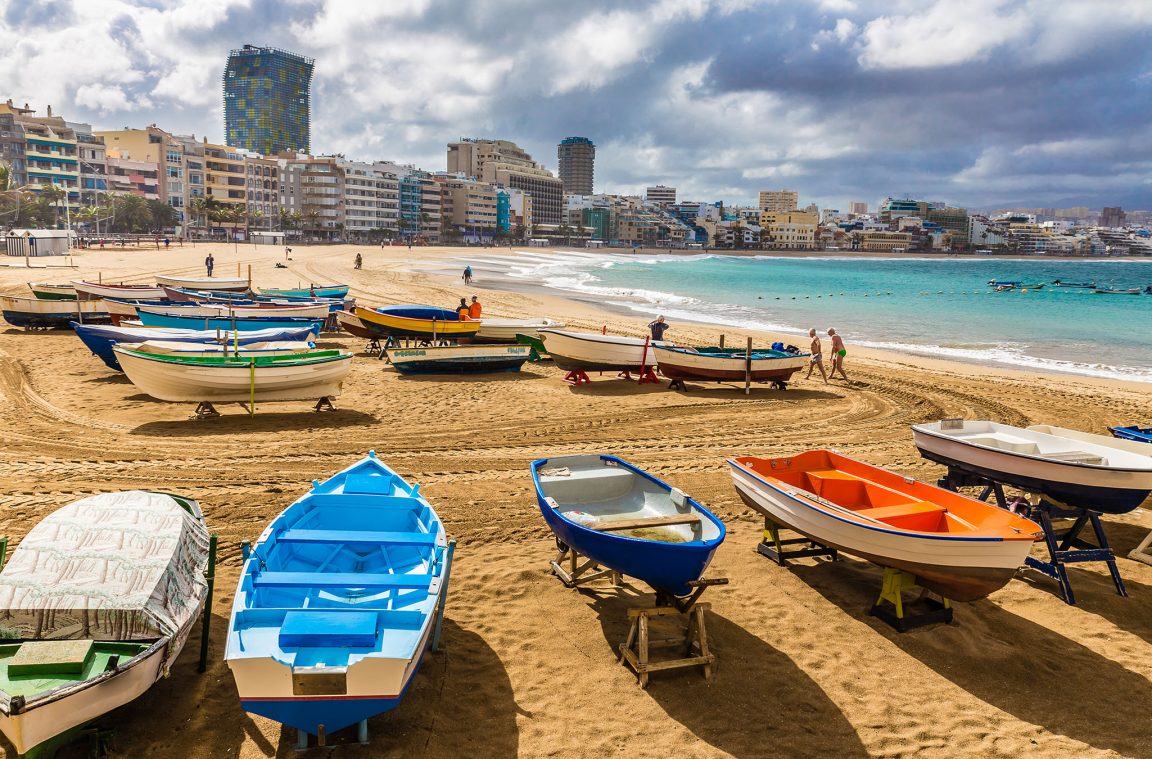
x=351, y=324
x=228, y=284
x=100, y=338
x=45, y=291
x=459, y=359
x=120, y=292
x=1080, y=285
x=337, y=601
x=1117, y=291
x=957, y=546
x=174, y=348
x=505, y=330
x=316, y=291
x=228, y=323
x=205, y=297
x=625, y=519
x=592, y=351
x=728, y=364
x=98, y=601
x=1071, y=472
x=301, y=376
x=1005, y=283
x=33, y=312
x=1138, y=434
x=426, y=322
x=119, y=310
x=278, y=310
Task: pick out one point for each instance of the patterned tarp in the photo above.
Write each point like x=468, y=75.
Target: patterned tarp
x=115, y=566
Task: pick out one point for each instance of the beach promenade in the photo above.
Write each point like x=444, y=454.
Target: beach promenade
x=528, y=667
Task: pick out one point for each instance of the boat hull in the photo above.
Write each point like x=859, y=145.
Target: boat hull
x=43, y=291
x=228, y=324
x=679, y=364
x=226, y=284
x=100, y=338
x=505, y=330
x=121, y=292
x=332, y=291
x=462, y=359
x=34, y=313
x=227, y=311
x=1139, y=434
x=351, y=324
x=389, y=325
x=593, y=352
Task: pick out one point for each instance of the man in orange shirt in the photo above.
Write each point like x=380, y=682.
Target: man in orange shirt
x=474, y=309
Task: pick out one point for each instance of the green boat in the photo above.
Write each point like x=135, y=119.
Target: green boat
x=45, y=291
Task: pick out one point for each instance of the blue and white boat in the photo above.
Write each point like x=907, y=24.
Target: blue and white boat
x=1139, y=434
x=627, y=520
x=229, y=324
x=314, y=291
x=338, y=601
x=100, y=338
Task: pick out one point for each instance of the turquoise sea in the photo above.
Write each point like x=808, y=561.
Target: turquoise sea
x=929, y=306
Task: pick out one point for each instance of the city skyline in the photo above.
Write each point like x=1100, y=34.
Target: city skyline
x=1003, y=104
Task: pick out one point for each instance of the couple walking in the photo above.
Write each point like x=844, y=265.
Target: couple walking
x=817, y=351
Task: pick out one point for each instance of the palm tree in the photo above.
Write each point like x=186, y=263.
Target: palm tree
x=54, y=194
x=197, y=209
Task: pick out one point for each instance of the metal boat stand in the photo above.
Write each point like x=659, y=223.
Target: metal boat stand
x=205, y=410
x=690, y=636
x=646, y=376
x=1065, y=546
x=776, y=551
x=373, y=348
x=303, y=736
x=577, y=377
x=578, y=574
x=324, y=404
x=892, y=595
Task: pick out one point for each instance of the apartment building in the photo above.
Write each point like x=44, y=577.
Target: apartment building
x=262, y=188
x=371, y=199
x=225, y=175
x=780, y=201
x=313, y=189
x=883, y=241
x=577, y=156
x=792, y=230
x=661, y=195
x=468, y=206
x=131, y=177
x=500, y=162
x=50, y=152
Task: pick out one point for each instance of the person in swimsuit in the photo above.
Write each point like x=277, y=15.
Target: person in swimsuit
x=817, y=360
x=838, y=354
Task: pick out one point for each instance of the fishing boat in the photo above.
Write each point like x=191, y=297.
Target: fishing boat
x=728, y=364
x=627, y=520
x=957, y=546
x=1070, y=472
x=227, y=323
x=459, y=359
x=315, y=291
x=1108, y=441
x=227, y=284
x=182, y=295
x=1079, y=285
x=121, y=292
x=173, y=348
x=592, y=351
x=98, y=601
x=424, y=322
x=351, y=324
x=1005, y=283
x=35, y=313
x=1118, y=291
x=337, y=601
x=120, y=310
x=45, y=291
x=1139, y=434
x=505, y=330
x=100, y=338
x=240, y=379
x=279, y=310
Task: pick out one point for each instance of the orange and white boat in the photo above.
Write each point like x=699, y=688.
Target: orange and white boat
x=957, y=546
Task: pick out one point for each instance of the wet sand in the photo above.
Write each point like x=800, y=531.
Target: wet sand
x=528, y=667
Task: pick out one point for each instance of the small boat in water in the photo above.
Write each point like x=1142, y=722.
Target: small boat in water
x=239, y=379
x=337, y=601
x=594, y=352
x=423, y=322
x=627, y=520
x=1070, y=472
x=459, y=359
x=93, y=290
x=728, y=364
x=957, y=546
x=1005, y=283
x=100, y=337
x=1118, y=291
x=494, y=330
x=45, y=291
x=32, y=313
x=98, y=601
x=174, y=319
x=1080, y=285
x=1138, y=434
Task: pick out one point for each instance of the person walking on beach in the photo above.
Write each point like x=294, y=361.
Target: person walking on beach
x=817, y=359
x=658, y=328
x=359, y=261
x=209, y=262
x=838, y=354
x=475, y=308
x=468, y=275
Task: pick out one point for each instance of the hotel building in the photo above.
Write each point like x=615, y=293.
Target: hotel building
x=267, y=100
x=781, y=201
x=577, y=157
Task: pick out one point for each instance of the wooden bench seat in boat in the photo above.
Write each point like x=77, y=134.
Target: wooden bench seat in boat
x=589, y=485
x=339, y=580
x=643, y=522
x=328, y=629
x=914, y=515
x=357, y=536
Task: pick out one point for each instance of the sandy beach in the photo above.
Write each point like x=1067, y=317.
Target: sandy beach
x=528, y=667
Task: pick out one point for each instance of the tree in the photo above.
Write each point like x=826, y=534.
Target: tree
x=402, y=224
x=521, y=232
x=55, y=195
x=198, y=210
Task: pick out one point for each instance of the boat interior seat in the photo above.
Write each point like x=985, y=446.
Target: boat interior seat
x=1076, y=457
x=588, y=485
x=1002, y=442
x=912, y=515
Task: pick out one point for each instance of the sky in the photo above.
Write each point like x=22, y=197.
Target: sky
x=977, y=103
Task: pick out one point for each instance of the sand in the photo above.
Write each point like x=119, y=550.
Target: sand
x=527, y=666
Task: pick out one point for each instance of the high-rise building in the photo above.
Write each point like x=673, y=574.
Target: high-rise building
x=501, y=162
x=577, y=158
x=781, y=201
x=858, y=208
x=267, y=100
x=1112, y=217
x=661, y=194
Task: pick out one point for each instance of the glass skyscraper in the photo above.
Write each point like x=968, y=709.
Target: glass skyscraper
x=267, y=100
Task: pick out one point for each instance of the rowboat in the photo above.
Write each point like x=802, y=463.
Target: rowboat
x=45, y=291
x=592, y=351
x=351, y=324
x=119, y=310
x=337, y=601
x=324, y=291
x=627, y=520
x=505, y=330
x=121, y=292
x=957, y=546
x=279, y=310
x=416, y=321
x=33, y=312
x=1139, y=434
x=459, y=359
x=1080, y=285
x=1005, y=283
x=231, y=284
x=182, y=295
x=98, y=601
x=1117, y=291
x=100, y=338
x=172, y=348
x=1131, y=446
x=227, y=323
x=1074, y=473
x=299, y=376
x=728, y=364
